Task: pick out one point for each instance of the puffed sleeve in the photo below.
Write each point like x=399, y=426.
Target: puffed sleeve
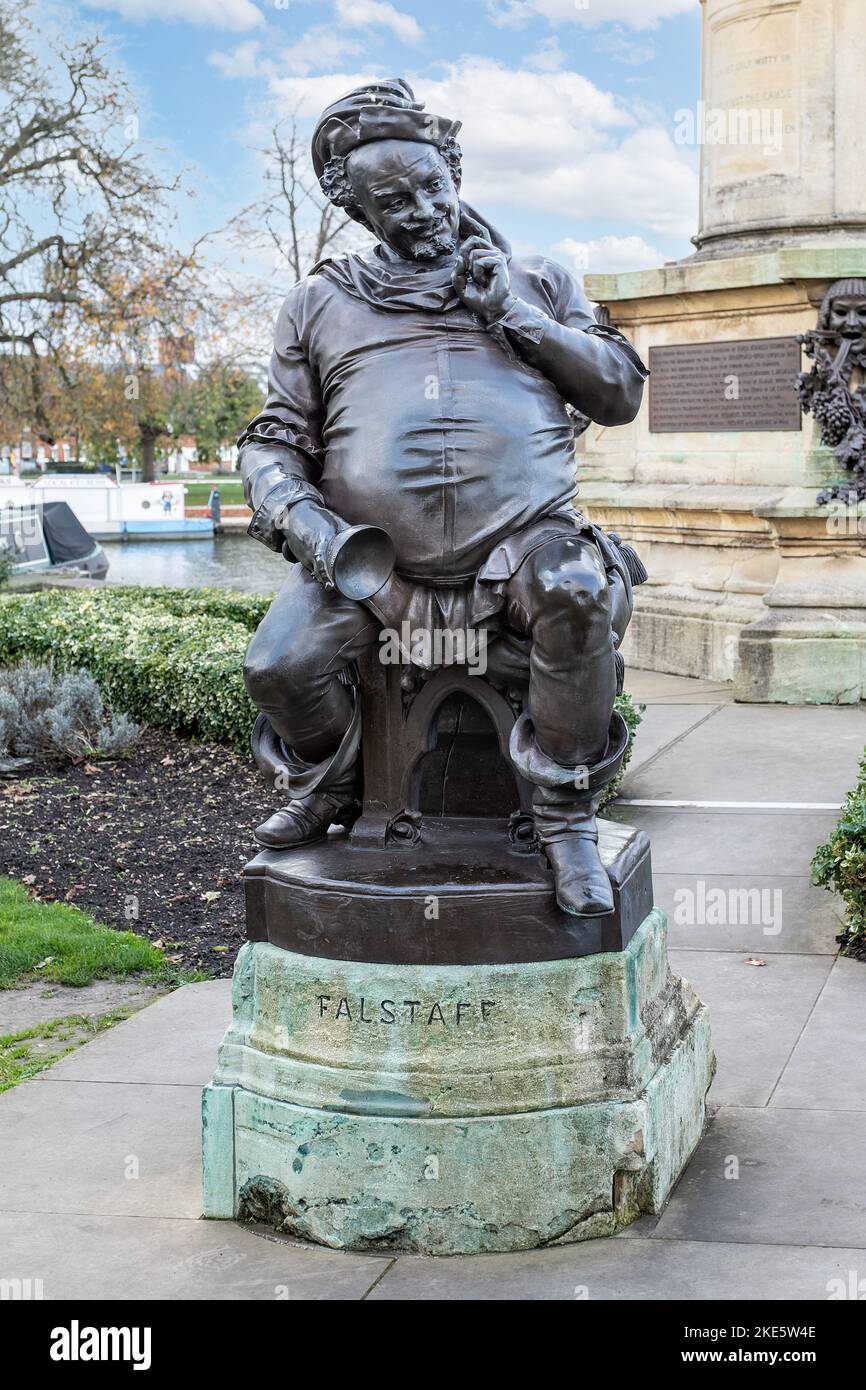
x=281, y=449
x=593, y=367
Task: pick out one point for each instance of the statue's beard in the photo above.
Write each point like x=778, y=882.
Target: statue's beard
x=429, y=248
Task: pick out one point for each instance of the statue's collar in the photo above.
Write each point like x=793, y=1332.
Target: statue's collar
x=387, y=282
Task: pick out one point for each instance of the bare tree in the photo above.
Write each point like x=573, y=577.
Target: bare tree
x=293, y=219
x=85, y=267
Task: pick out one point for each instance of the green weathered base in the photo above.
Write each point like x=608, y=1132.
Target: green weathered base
x=449, y=1109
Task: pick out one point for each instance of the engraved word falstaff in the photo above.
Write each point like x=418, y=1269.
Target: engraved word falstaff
x=418, y=1011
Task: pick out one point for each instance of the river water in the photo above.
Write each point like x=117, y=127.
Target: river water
x=223, y=562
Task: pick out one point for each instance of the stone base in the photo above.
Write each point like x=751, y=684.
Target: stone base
x=455, y=1108
x=749, y=580
x=795, y=656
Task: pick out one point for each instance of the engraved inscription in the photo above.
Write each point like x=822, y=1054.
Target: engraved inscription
x=760, y=75
x=744, y=385
x=423, y=1013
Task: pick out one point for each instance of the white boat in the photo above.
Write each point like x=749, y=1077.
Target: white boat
x=108, y=511
x=49, y=536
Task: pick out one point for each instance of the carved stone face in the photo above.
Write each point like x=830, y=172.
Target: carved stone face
x=407, y=196
x=847, y=317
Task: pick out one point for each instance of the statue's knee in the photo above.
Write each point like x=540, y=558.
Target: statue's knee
x=268, y=680
x=577, y=587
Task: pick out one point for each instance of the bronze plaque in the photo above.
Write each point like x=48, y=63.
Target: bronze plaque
x=724, y=386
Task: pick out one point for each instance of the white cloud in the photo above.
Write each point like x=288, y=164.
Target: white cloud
x=322, y=48
x=318, y=49
x=555, y=143
x=547, y=57
x=366, y=14
x=542, y=142
x=243, y=61
x=640, y=14
x=617, y=45
x=607, y=254
x=236, y=15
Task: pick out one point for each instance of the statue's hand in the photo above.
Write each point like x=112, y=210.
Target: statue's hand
x=308, y=528
x=481, y=277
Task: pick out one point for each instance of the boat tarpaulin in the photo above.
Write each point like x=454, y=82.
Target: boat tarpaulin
x=65, y=536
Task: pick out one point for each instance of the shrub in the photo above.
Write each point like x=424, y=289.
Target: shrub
x=632, y=714
x=44, y=713
x=169, y=657
x=7, y=560
x=840, y=866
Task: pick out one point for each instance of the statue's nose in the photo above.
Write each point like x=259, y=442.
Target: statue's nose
x=423, y=210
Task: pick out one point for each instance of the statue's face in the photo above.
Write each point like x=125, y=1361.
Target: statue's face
x=405, y=191
x=848, y=317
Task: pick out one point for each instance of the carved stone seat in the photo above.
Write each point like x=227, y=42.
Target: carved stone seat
x=442, y=865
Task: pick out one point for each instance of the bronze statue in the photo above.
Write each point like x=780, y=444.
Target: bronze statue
x=421, y=389
x=837, y=348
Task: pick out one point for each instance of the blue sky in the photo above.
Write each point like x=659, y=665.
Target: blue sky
x=567, y=105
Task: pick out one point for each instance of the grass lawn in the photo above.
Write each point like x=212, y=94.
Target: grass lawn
x=55, y=942
x=24, y=1054
x=231, y=492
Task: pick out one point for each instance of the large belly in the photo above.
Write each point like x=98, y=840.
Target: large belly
x=448, y=467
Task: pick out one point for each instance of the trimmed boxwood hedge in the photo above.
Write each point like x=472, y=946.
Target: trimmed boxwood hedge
x=170, y=657
x=840, y=866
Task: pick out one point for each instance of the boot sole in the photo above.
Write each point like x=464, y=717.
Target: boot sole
x=292, y=844
x=585, y=916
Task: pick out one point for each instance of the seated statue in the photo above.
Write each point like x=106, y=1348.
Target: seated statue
x=424, y=387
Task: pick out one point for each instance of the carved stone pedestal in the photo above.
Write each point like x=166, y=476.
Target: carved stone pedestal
x=749, y=580
x=455, y=1108
x=426, y=1053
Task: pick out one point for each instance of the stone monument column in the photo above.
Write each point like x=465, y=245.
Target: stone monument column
x=716, y=481
x=792, y=69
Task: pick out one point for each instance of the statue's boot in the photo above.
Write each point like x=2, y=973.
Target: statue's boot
x=322, y=794
x=308, y=818
x=568, y=831
x=564, y=805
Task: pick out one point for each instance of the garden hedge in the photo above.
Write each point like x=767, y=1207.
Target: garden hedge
x=169, y=657
x=840, y=866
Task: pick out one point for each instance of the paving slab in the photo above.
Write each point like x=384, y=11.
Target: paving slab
x=761, y=753
x=701, y=843
x=174, y=1042
x=757, y=1013
x=101, y=1257
x=827, y=1068
x=660, y=726
x=656, y=687
x=87, y=1147
x=622, y=1269
x=762, y=913
x=800, y=1181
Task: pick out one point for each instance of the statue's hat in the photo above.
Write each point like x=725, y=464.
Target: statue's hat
x=385, y=110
